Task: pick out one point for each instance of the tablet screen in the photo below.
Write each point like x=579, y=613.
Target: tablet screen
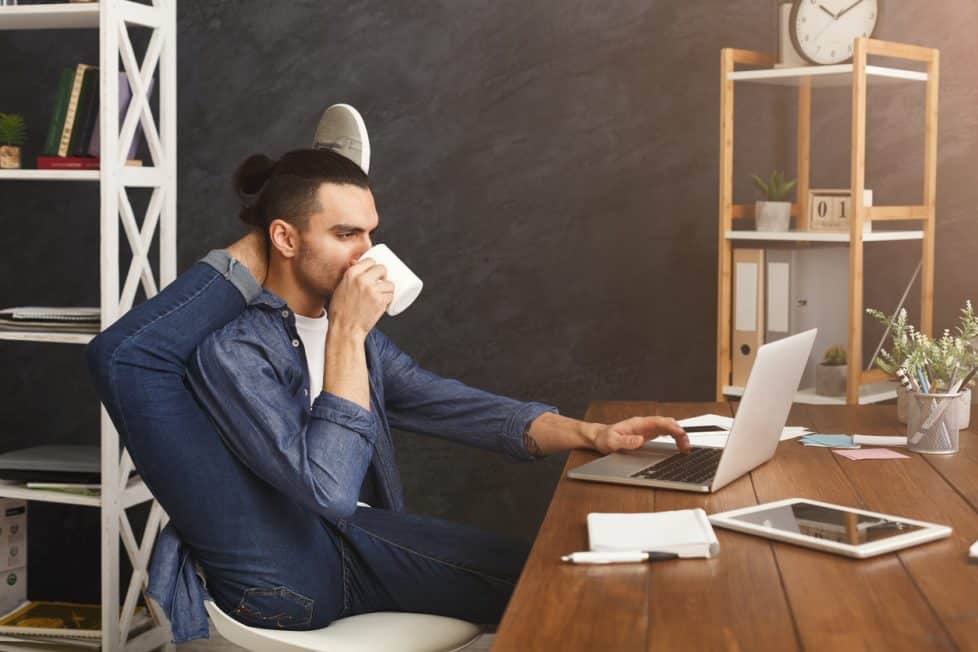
x=827, y=523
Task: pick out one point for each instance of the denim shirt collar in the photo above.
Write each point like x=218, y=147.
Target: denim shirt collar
x=270, y=300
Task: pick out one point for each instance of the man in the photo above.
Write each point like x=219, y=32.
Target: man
x=303, y=389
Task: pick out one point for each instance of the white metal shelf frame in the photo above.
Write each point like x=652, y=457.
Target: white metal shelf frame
x=112, y=18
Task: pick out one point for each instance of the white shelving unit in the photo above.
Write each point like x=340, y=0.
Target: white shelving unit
x=112, y=18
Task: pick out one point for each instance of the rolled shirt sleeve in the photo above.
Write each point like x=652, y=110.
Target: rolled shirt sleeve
x=420, y=401
x=315, y=456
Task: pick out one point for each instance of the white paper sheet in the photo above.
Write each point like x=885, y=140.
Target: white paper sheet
x=724, y=424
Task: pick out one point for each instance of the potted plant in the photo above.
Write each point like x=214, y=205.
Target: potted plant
x=773, y=213
x=943, y=361
x=13, y=134
x=831, y=373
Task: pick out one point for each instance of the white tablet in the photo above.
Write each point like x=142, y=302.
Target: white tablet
x=832, y=528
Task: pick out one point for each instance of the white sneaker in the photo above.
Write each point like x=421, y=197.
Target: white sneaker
x=341, y=129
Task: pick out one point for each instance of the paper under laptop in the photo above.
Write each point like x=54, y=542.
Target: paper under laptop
x=723, y=425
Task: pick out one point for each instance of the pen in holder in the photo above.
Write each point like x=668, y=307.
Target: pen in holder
x=932, y=427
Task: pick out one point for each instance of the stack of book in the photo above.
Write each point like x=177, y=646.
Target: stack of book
x=72, y=141
x=42, y=318
x=59, y=626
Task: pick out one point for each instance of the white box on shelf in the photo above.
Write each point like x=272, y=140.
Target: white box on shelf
x=13, y=533
x=13, y=589
x=13, y=521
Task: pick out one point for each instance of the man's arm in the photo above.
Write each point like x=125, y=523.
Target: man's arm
x=420, y=401
x=318, y=457
x=553, y=433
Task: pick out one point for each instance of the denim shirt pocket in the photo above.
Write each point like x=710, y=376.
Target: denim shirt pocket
x=274, y=607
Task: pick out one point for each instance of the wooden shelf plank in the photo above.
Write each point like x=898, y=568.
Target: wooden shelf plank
x=870, y=393
x=882, y=213
x=132, y=176
x=835, y=75
x=49, y=175
x=47, y=336
x=74, y=16
x=820, y=236
x=136, y=492
x=54, y=16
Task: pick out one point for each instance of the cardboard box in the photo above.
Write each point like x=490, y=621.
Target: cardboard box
x=13, y=588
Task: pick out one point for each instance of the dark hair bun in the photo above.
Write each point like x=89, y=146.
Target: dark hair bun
x=252, y=175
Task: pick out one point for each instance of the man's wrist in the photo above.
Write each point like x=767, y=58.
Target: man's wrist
x=343, y=330
x=589, y=433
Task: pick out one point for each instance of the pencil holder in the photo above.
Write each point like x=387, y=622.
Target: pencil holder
x=933, y=423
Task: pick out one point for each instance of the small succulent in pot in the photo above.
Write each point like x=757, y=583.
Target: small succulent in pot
x=832, y=372
x=773, y=214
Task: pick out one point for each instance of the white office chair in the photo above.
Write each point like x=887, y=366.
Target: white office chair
x=375, y=632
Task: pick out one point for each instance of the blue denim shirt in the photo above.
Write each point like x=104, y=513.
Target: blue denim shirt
x=252, y=378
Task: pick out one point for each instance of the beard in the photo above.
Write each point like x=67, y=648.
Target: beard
x=315, y=276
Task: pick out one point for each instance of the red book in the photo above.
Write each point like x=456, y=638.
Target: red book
x=67, y=163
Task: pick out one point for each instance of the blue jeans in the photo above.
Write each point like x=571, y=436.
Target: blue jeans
x=268, y=561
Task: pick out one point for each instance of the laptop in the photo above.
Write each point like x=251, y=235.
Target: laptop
x=754, y=437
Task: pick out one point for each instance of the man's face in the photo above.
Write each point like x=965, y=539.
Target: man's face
x=334, y=237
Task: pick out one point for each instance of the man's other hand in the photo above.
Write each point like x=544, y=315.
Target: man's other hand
x=633, y=433
x=361, y=297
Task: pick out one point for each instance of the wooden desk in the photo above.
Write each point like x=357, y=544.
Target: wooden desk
x=760, y=594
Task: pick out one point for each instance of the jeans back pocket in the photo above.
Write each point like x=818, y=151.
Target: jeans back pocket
x=275, y=607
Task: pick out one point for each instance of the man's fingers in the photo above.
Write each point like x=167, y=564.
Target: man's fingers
x=644, y=428
x=373, y=275
x=359, y=267
x=652, y=426
x=682, y=442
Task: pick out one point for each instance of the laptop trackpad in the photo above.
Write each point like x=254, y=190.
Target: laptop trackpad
x=626, y=463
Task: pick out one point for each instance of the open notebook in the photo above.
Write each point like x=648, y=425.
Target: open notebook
x=686, y=532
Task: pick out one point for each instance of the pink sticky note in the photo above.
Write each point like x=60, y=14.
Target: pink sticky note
x=870, y=454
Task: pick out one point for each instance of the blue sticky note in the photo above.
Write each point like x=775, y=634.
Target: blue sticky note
x=829, y=441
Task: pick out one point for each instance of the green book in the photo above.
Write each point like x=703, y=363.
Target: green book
x=58, y=117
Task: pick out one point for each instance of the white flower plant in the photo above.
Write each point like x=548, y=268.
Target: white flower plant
x=943, y=361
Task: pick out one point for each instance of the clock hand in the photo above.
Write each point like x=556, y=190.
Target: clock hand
x=822, y=7
x=849, y=8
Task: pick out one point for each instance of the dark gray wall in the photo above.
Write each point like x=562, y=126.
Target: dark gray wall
x=548, y=167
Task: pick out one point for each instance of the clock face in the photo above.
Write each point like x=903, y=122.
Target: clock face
x=823, y=31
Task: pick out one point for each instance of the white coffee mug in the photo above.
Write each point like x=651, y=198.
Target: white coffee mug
x=407, y=285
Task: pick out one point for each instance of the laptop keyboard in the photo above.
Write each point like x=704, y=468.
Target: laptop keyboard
x=698, y=467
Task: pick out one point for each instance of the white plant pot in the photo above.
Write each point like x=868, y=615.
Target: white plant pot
x=772, y=215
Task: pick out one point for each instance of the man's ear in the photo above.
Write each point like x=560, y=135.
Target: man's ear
x=284, y=237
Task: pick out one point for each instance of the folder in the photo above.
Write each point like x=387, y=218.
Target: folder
x=778, y=299
x=748, y=313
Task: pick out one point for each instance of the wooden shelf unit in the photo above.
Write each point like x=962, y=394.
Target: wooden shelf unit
x=858, y=74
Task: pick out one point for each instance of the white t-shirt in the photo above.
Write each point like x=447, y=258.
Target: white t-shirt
x=312, y=332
